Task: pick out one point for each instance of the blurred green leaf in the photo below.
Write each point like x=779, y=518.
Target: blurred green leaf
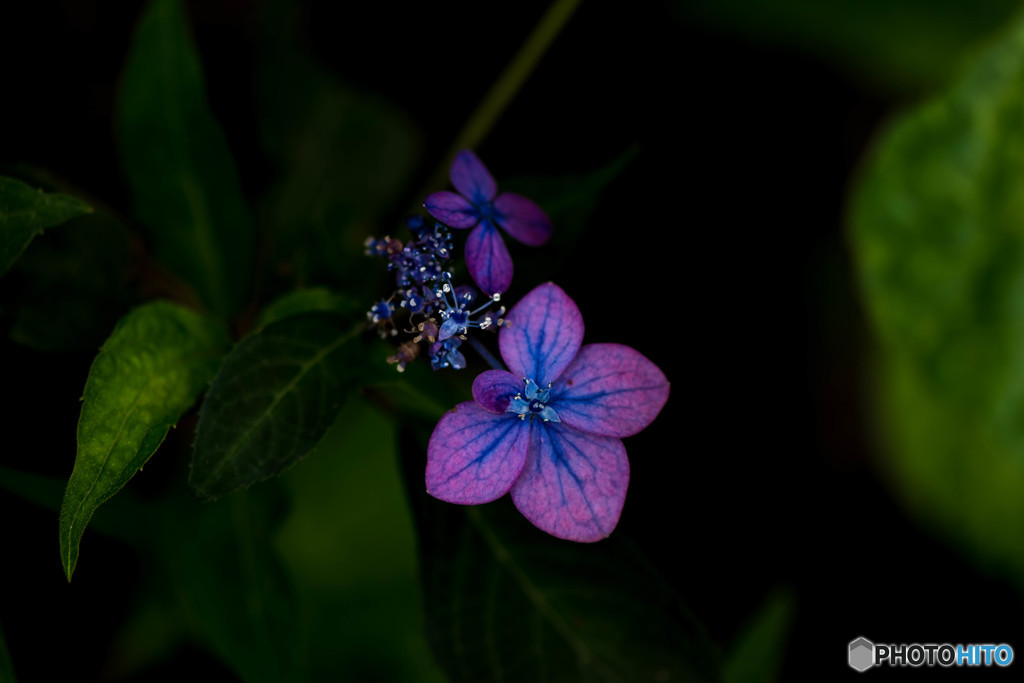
x=505, y=601
x=312, y=300
x=6, y=666
x=898, y=44
x=273, y=400
x=236, y=596
x=74, y=286
x=937, y=227
x=346, y=157
x=178, y=164
x=150, y=370
x=349, y=543
x=25, y=212
x=570, y=202
x=123, y=518
x=757, y=654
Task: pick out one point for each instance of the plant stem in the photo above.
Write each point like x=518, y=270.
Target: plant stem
x=485, y=354
x=497, y=99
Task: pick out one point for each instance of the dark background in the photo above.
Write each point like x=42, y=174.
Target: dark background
x=719, y=254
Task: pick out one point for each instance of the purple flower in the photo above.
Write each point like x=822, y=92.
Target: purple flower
x=475, y=204
x=549, y=430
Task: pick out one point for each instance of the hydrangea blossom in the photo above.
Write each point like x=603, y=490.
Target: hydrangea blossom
x=478, y=205
x=437, y=312
x=548, y=430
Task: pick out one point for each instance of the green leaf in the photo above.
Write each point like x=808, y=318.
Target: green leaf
x=230, y=585
x=346, y=157
x=757, y=654
x=936, y=227
x=273, y=400
x=177, y=161
x=73, y=286
x=314, y=299
x=898, y=44
x=26, y=212
x=505, y=601
x=350, y=545
x=150, y=370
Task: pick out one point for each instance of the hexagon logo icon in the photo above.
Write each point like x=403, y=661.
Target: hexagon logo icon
x=862, y=654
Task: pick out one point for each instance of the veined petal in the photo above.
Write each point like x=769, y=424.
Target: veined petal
x=610, y=389
x=474, y=456
x=452, y=209
x=493, y=389
x=471, y=178
x=574, y=484
x=544, y=332
x=522, y=219
x=488, y=260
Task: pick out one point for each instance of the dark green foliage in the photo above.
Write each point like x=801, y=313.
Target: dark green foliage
x=937, y=231
x=150, y=370
x=175, y=157
x=757, y=653
x=75, y=285
x=908, y=44
x=274, y=398
x=505, y=601
x=25, y=212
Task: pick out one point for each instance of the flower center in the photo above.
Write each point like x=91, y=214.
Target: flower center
x=454, y=310
x=533, y=400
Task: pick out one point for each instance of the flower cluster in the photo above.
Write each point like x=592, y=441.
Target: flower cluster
x=438, y=314
x=549, y=429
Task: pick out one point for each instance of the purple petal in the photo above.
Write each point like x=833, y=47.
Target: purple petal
x=609, y=389
x=522, y=219
x=493, y=389
x=574, y=484
x=452, y=209
x=544, y=332
x=488, y=259
x=472, y=179
x=474, y=456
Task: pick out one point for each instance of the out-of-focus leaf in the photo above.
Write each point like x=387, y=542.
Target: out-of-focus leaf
x=937, y=232
x=122, y=519
x=150, y=370
x=570, y=202
x=314, y=299
x=350, y=545
x=274, y=398
x=346, y=156
x=25, y=212
x=236, y=596
x=6, y=666
x=898, y=44
x=148, y=636
x=73, y=286
x=178, y=164
x=756, y=655
x=505, y=601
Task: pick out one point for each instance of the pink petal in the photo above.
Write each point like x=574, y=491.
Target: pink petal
x=573, y=485
x=522, y=219
x=472, y=179
x=474, y=456
x=544, y=332
x=452, y=209
x=488, y=260
x=609, y=389
x=494, y=388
